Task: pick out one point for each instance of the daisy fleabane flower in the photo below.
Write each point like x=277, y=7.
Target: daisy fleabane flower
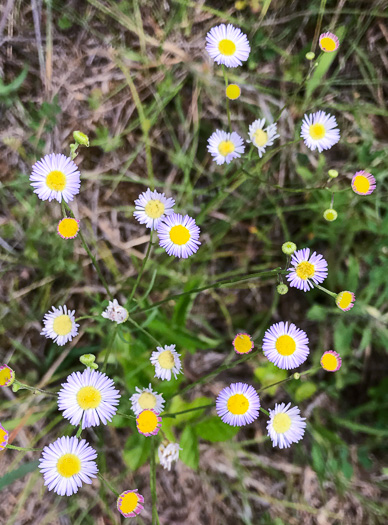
x=179, y=235
x=148, y=422
x=3, y=437
x=60, y=325
x=285, y=425
x=243, y=344
x=166, y=361
x=68, y=228
x=260, y=137
x=66, y=464
x=130, y=503
x=306, y=270
x=227, y=45
x=286, y=346
x=224, y=147
x=328, y=42
x=238, y=404
x=151, y=207
x=363, y=183
x=319, y=131
x=115, y=313
x=55, y=177
x=7, y=375
x=89, y=396
x=146, y=398
x=168, y=454
x=331, y=361
x=345, y=300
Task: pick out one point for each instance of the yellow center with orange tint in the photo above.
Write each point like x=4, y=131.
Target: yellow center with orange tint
x=3, y=438
x=62, y=325
x=88, y=397
x=305, y=270
x=166, y=359
x=281, y=423
x=68, y=227
x=285, y=345
x=328, y=43
x=260, y=138
x=226, y=147
x=317, y=131
x=243, y=343
x=361, y=184
x=128, y=502
x=154, y=209
x=329, y=362
x=147, y=400
x=5, y=376
x=238, y=404
x=227, y=47
x=233, y=91
x=68, y=465
x=179, y=234
x=345, y=299
x=56, y=180
x=147, y=422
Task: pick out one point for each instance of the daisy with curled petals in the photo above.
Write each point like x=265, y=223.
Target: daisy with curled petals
x=55, y=177
x=331, y=361
x=363, y=183
x=147, y=398
x=238, y=404
x=68, y=228
x=345, y=300
x=166, y=362
x=130, y=503
x=306, y=270
x=168, y=454
x=243, y=344
x=3, y=437
x=115, y=313
x=60, y=325
x=179, y=235
x=286, y=346
x=151, y=207
x=66, y=464
x=7, y=375
x=89, y=396
x=285, y=425
x=260, y=137
x=319, y=131
x=328, y=42
x=227, y=45
x=148, y=422
x=224, y=147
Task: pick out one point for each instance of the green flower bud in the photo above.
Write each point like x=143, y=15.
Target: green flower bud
x=282, y=289
x=296, y=375
x=288, y=248
x=88, y=360
x=330, y=215
x=333, y=173
x=310, y=55
x=81, y=138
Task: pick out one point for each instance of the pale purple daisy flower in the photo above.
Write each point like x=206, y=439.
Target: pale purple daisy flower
x=166, y=361
x=238, y=404
x=146, y=398
x=319, y=131
x=286, y=346
x=227, y=45
x=151, y=207
x=89, y=396
x=285, y=425
x=55, y=177
x=179, y=235
x=305, y=269
x=224, y=147
x=363, y=183
x=4, y=434
x=60, y=325
x=66, y=464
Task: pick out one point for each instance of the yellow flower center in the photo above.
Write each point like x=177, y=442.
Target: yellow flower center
x=147, y=400
x=305, y=270
x=147, y=421
x=166, y=359
x=260, y=138
x=225, y=147
x=179, y=234
x=68, y=465
x=233, y=91
x=129, y=502
x=328, y=44
x=3, y=438
x=154, y=209
x=281, y=423
x=317, y=131
x=68, y=227
x=62, y=325
x=227, y=47
x=243, y=343
x=285, y=345
x=238, y=404
x=361, y=183
x=5, y=376
x=56, y=180
x=88, y=397
x=345, y=298
x=329, y=362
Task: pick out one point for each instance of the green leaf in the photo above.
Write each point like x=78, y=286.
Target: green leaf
x=305, y=390
x=5, y=90
x=213, y=429
x=18, y=473
x=267, y=373
x=319, y=463
x=189, y=445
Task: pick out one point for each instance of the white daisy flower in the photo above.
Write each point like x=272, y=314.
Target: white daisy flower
x=319, y=131
x=68, y=463
x=151, y=207
x=285, y=425
x=224, y=147
x=179, y=235
x=60, y=325
x=168, y=454
x=227, y=45
x=89, y=396
x=306, y=270
x=55, y=177
x=238, y=404
x=115, y=313
x=286, y=346
x=260, y=137
x=147, y=398
x=166, y=362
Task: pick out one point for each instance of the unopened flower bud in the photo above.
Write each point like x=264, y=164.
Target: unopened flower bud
x=296, y=375
x=330, y=215
x=288, y=248
x=282, y=289
x=88, y=360
x=81, y=138
x=333, y=173
x=310, y=55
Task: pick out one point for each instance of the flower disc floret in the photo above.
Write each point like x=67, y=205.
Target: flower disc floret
x=148, y=422
x=130, y=503
x=152, y=207
x=227, y=45
x=166, y=361
x=68, y=228
x=331, y=361
x=243, y=344
x=262, y=137
x=285, y=425
x=60, y=325
x=224, y=147
x=238, y=404
x=3, y=437
x=306, y=270
x=147, y=398
x=179, y=235
x=320, y=131
x=363, y=183
x=286, y=346
x=7, y=375
x=345, y=300
x=328, y=42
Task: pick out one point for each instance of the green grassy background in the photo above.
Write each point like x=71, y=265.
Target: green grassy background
x=135, y=77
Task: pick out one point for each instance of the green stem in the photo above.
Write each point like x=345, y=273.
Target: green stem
x=155, y=517
x=22, y=386
x=13, y=447
x=174, y=414
x=87, y=317
x=109, y=349
x=227, y=100
x=79, y=431
x=125, y=415
x=264, y=411
x=110, y=487
x=141, y=269
x=287, y=379
x=319, y=23
x=325, y=290
x=144, y=331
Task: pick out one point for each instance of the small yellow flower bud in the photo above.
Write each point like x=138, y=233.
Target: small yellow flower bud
x=282, y=289
x=288, y=248
x=310, y=55
x=233, y=91
x=330, y=215
x=333, y=173
x=81, y=138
